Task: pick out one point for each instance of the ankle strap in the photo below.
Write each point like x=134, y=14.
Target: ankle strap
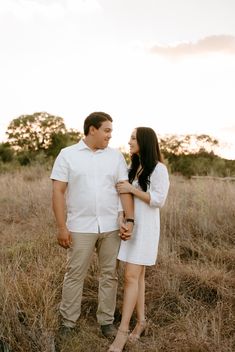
x=142, y=322
x=124, y=332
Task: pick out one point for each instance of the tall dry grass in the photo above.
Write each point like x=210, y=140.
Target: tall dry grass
x=190, y=293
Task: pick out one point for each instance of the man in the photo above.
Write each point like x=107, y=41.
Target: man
x=84, y=178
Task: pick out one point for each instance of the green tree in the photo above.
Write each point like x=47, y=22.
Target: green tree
x=32, y=133
x=61, y=140
x=188, y=144
x=192, y=154
x=6, y=152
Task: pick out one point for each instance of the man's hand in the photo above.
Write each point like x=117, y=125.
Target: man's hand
x=126, y=231
x=64, y=238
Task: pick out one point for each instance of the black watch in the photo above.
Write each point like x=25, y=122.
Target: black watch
x=130, y=220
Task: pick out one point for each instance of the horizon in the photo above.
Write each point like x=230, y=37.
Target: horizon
x=124, y=147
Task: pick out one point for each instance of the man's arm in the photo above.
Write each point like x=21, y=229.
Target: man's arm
x=128, y=208
x=58, y=205
x=126, y=187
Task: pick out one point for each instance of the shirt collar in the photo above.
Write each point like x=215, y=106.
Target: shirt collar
x=82, y=146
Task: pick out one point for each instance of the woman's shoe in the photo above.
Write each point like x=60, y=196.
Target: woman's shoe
x=140, y=328
x=119, y=341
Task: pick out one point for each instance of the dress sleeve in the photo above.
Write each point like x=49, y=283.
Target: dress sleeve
x=60, y=171
x=159, y=185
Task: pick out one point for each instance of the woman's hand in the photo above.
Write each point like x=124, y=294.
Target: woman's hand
x=124, y=187
x=126, y=231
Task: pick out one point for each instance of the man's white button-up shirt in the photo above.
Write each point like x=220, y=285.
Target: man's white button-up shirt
x=92, y=200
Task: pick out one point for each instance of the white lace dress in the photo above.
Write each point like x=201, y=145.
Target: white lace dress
x=142, y=248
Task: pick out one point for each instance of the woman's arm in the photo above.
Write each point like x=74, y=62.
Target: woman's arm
x=158, y=190
x=126, y=187
x=159, y=186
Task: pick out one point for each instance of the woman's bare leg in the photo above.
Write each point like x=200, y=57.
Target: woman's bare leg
x=131, y=289
x=131, y=293
x=140, y=306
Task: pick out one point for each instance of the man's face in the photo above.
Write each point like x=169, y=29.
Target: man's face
x=102, y=136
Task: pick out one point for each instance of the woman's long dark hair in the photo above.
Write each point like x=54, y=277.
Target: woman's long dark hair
x=149, y=156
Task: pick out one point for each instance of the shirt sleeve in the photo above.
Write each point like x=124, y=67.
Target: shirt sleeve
x=120, y=207
x=159, y=186
x=60, y=170
x=122, y=173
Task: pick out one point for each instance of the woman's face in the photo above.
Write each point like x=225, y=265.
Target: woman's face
x=134, y=147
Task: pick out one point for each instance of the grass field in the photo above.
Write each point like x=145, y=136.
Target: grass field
x=190, y=293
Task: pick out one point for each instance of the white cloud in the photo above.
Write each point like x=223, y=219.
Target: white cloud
x=211, y=44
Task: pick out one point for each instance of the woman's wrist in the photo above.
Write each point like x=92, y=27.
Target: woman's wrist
x=133, y=189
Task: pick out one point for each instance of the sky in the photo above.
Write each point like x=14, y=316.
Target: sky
x=166, y=64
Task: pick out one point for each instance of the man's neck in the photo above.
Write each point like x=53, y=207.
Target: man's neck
x=89, y=143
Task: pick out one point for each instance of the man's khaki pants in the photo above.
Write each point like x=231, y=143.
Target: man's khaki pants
x=78, y=260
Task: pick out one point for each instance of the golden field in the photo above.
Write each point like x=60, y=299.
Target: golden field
x=190, y=293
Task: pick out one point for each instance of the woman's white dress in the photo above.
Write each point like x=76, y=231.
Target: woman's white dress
x=142, y=248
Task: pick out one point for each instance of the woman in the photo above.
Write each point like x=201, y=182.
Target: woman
x=149, y=183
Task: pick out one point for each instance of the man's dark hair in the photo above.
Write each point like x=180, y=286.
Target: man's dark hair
x=95, y=119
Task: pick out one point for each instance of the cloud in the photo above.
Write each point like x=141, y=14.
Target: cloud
x=224, y=44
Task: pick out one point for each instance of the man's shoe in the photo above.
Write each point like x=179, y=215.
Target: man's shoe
x=62, y=334
x=108, y=330
x=65, y=331
x=4, y=347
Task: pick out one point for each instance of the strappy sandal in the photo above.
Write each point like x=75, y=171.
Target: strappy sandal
x=124, y=333
x=143, y=329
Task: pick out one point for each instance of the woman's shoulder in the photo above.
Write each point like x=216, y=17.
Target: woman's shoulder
x=160, y=166
x=160, y=169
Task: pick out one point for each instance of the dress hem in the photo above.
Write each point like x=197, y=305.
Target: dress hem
x=135, y=262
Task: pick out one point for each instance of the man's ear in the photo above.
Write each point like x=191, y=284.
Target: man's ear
x=92, y=130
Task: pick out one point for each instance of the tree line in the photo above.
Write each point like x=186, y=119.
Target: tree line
x=35, y=137
x=39, y=137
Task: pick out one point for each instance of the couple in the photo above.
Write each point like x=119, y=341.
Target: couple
x=102, y=215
